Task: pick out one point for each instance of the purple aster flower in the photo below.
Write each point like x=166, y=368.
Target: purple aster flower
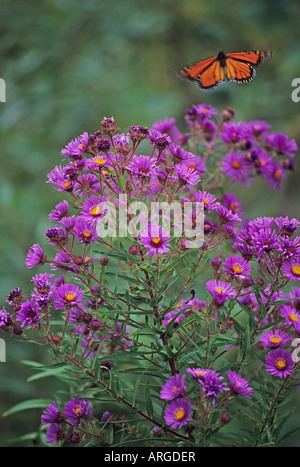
x=279, y=362
x=287, y=226
x=58, y=178
x=157, y=244
x=237, y=267
x=290, y=314
x=64, y=261
x=85, y=231
x=70, y=172
x=105, y=416
x=67, y=295
x=261, y=160
x=198, y=373
x=239, y=385
x=167, y=126
x=179, y=154
x=4, y=318
x=54, y=433
x=208, y=200
x=236, y=167
x=186, y=175
x=290, y=248
x=52, y=414
x=274, y=175
x=29, y=314
x=142, y=166
x=77, y=410
x=275, y=338
x=246, y=251
x=170, y=317
x=212, y=385
x=230, y=201
x=233, y=132
x=42, y=292
x=99, y=161
x=69, y=223
x=86, y=183
x=220, y=291
x=35, y=256
x=264, y=241
x=291, y=269
x=77, y=146
x=92, y=209
x=56, y=235
x=173, y=387
x=200, y=112
x=258, y=128
x=158, y=139
x=209, y=129
x=61, y=210
x=74, y=437
x=282, y=145
x=177, y=414
x=209, y=226
x=226, y=215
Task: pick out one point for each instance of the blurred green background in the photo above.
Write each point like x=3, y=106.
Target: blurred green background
x=68, y=63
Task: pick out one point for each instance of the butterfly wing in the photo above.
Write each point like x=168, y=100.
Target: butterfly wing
x=193, y=71
x=239, y=72
x=251, y=57
x=211, y=76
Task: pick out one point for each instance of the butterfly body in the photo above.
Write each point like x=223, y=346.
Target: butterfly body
x=236, y=66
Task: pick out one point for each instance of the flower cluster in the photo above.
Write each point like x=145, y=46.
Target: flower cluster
x=66, y=425
x=134, y=297
x=211, y=385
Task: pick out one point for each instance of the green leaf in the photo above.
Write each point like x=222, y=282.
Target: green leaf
x=27, y=405
x=149, y=404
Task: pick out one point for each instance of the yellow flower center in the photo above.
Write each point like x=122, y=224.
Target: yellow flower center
x=67, y=183
x=175, y=389
x=237, y=268
x=205, y=202
x=233, y=207
x=70, y=297
x=156, y=240
x=99, y=160
x=200, y=373
x=95, y=210
x=293, y=317
x=277, y=174
x=77, y=410
x=86, y=234
x=236, y=165
x=275, y=340
x=179, y=414
x=219, y=290
x=296, y=270
x=80, y=146
x=281, y=364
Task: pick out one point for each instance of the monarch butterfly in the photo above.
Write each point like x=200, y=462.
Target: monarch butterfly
x=236, y=66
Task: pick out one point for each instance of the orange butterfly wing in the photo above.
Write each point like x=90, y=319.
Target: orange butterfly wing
x=193, y=71
x=211, y=76
x=251, y=57
x=239, y=72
